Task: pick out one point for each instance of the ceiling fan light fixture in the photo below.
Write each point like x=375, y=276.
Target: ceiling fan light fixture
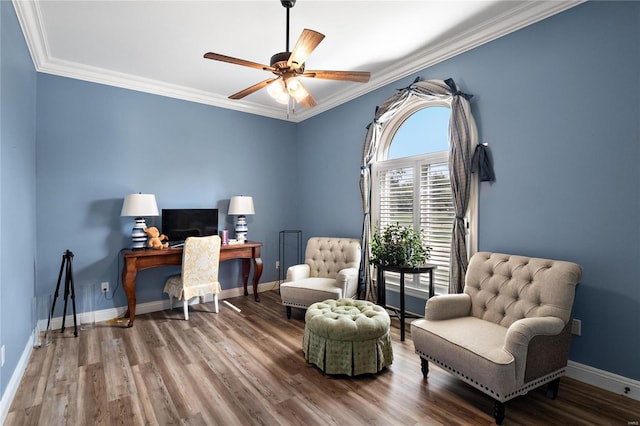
x=281, y=95
x=293, y=85
x=276, y=88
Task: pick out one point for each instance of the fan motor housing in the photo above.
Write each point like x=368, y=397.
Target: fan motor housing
x=279, y=61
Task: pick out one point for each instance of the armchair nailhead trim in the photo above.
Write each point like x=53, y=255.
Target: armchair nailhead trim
x=520, y=391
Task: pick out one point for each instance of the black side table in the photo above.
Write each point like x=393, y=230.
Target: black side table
x=382, y=298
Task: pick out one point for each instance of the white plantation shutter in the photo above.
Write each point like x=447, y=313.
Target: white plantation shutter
x=436, y=216
x=427, y=203
x=396, y=196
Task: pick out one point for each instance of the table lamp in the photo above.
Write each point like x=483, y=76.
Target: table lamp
x=241, y=206
x=138, y=206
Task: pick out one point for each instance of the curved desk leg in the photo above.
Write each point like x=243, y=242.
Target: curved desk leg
x=129, y=283
x=246, y=268
x=257, y=272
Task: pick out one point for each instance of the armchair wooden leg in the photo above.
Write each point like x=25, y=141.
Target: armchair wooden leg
x=498, y=411
x=288, y=312
x=552, y=388
x=425, y=367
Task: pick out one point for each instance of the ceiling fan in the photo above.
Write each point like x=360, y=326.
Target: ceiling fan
x=288, y=66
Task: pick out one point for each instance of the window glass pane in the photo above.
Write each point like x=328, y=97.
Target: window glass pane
x=424, y=131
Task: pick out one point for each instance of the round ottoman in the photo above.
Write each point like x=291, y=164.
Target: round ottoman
x=347, y=336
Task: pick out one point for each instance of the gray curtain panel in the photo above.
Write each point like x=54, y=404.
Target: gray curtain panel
x=459, y=166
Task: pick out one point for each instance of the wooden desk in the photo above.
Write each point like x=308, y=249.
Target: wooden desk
x=137, y=260
x=382, y=297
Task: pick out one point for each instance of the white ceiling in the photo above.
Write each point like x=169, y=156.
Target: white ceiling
x=157, y=46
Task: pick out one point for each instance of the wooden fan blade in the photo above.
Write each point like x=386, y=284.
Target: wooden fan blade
x=232, y=60
x=308, y=101
x=357, y=76
x=306, y=44
x=249, y=90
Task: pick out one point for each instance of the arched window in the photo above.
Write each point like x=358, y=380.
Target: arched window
x=409, y=178
x=411, y=186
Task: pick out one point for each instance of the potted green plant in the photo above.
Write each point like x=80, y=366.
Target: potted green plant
x=398, y=245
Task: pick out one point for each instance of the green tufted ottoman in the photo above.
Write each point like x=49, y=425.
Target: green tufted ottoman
x=347, y=336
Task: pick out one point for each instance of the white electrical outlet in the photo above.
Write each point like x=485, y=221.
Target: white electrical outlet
x=2, y=356
x=576, y=327
x=277, y=264
x=105, y=286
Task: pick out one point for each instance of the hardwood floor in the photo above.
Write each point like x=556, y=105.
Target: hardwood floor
x=248, y=368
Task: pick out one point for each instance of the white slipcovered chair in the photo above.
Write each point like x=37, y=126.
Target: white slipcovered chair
x=509, y=332
x=330, y=271
x=199, y=277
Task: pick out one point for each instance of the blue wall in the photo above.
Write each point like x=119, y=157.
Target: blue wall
x=98, y=143
x=557, y=102
x=17, y=191
x=567, y=155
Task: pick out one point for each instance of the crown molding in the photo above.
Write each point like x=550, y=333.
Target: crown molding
x=28, y=13
x=501, y=25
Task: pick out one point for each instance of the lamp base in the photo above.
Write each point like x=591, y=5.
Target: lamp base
x=241, y=229
x=138, y=236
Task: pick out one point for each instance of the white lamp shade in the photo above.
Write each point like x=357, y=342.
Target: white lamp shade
x=139, y=205
x=241, y=205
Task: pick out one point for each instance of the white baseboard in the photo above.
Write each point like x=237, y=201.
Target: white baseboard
x=14, y=381
x=604, y=380
x=155, y=306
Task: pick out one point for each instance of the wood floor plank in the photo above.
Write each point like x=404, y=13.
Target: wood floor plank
x=247, y=368
x=124, y=411
x=117, y=369
x=34, y=380
x=217, y=404
x=24, y=417
x=157, y=403
x=136, y=347
x=89, y=348
x=93, y=407
x=171, y=369
x=323, y=398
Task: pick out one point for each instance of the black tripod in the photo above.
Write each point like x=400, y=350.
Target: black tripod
x=67, y=257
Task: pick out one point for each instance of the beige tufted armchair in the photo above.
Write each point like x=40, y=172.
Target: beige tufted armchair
x=509, y=332
x=330, y=271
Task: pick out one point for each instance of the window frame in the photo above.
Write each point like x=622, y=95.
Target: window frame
x=388, y=132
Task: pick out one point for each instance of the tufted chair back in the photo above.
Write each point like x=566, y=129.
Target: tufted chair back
x=505, y=288
x=328, y=256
